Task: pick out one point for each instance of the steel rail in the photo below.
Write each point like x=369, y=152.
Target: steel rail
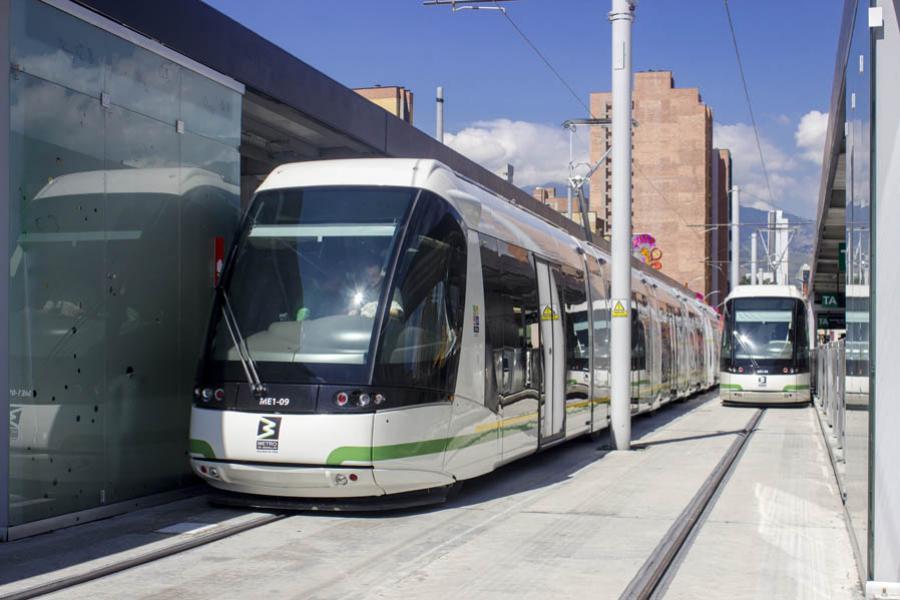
x=655, y=568
x=142, y=559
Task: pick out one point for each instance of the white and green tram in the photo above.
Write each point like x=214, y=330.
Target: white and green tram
x=765, y=355
x=387, y=328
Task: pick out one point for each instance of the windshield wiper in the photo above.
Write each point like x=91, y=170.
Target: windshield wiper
x=256, y=385
x=737, y=336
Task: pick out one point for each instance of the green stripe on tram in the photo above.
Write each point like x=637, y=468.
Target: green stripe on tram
x=731, y=386
x=796, y=388
x=202, y=448
x=344, y=454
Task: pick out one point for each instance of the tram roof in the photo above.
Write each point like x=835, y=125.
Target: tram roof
x=766, y=291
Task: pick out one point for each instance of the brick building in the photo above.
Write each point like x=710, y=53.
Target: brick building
x=397, y=100
x=674, y=165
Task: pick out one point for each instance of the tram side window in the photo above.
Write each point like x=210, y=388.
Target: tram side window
x=601, y=320
x=666, y=350
x=575, y=321
x=422, y=334
x=512, y=343
x=638, y=343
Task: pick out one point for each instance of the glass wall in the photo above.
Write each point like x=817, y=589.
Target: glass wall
x=857, y=286
x=124, y=169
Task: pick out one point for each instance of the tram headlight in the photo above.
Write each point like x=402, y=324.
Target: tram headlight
x=364, y=400
x=206, y=394
x=379, y=399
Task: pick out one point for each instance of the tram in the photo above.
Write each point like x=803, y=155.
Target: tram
x=388, y=328
x=765, y=356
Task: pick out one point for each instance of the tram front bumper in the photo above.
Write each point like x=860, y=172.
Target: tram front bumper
x=764, y=396
x=282, y=480
x=314, y=482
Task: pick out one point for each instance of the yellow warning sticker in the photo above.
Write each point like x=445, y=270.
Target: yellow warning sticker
x=619, y=309
x=548, y=314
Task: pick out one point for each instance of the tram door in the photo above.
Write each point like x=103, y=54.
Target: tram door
x=553, y=347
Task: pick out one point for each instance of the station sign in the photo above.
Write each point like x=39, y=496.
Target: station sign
x=830, y=300
x=831, y=321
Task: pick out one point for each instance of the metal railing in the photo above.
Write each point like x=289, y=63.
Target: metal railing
x=830, y=397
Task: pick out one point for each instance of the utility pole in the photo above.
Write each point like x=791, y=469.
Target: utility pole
x=753, y=237
x=571, y=129
x=439, y=124
x=621, y=17
x=735, y=237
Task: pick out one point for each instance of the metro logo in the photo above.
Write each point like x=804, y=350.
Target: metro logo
x=267, y=432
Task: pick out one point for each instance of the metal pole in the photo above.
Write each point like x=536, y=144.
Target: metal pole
x=621, y=16
x=439, y=125
x=735, y=237
x=753, y=258
x=571, y=160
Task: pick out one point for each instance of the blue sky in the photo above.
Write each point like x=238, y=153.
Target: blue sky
x=504, y=105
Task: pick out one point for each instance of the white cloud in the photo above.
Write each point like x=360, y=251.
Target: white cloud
x=794, y=181
x=810, y=135
x=539, y=152
x=783, y=120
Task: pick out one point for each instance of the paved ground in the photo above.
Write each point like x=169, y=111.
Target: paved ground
x=572, y=522
x=777, y=529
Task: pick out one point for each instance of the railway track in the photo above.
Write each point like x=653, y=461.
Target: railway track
x=142, y=559
x=661, y=565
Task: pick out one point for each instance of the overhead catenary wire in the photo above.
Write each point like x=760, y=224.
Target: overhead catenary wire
x=578, y=99
x=740, y=62
x=546, y=61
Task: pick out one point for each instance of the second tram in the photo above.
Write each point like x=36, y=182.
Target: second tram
x=765, y=354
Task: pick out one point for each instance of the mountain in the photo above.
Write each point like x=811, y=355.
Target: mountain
x=801, y=242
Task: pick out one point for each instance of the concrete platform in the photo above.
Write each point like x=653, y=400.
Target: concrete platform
x=777, y=529
x=575, y=521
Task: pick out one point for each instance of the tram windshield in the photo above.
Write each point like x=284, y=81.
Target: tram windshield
x=765, y=333
x=306, y=283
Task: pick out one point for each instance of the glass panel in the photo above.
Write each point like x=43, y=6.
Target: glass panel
x=209, y=158
x=422, y=336
x=144, y=414
x=50, y=44
x=100, y=207
x=142, y=81
x=209, y=210
x=210, y=109
x=57, y=306
x=323, y=286
x=858, y=239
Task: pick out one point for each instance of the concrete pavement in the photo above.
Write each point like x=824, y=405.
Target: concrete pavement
x=575, y=521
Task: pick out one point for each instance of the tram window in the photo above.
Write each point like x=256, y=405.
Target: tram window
x=421, y=337
x=666, y=350
x=512, y=342
x=600, y=318
x=575, y=321
x=638, y=344
x=308, y=273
